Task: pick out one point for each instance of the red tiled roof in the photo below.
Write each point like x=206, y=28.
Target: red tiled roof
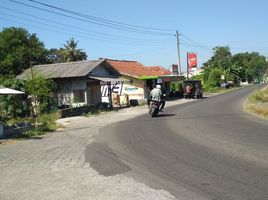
x=158, y=70
x=136, y=69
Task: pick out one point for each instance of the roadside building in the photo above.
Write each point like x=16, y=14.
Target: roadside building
x=78, y=83
x=140, y=79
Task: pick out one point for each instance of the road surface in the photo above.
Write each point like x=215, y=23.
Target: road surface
x=205, y=149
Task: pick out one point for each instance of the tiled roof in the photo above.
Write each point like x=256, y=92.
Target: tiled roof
x=136, y=69
x=130, y=68
x=158, y=70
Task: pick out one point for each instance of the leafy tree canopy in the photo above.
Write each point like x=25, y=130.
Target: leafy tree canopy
x=17, y=48
x=70, y=53
x=13, y=106
x=221, y=58
x=253, y=65
x=238, y=67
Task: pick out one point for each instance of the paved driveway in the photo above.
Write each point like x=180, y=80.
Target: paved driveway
x=54, y=166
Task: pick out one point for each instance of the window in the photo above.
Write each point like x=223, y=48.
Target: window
x=79, y=95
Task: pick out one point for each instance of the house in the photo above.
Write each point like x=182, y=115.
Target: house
x=78, y=83
x=141, y=78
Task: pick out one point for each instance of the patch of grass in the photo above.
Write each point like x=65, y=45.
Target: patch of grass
x=45, y=123
x=259, y=96
x=20, y=120
x=217, y=89
x=258, y=109
x=258, y=102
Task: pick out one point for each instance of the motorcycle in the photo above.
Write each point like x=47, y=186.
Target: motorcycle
x=154, y=108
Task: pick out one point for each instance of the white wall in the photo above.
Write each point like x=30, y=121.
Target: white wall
x=133, y=92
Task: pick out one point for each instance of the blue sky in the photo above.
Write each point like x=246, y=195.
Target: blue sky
x=240, y=24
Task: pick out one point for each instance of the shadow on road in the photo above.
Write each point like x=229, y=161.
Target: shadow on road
x=165, y=115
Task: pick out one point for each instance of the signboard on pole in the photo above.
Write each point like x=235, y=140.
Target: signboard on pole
x=192, y=60
x=174, y=69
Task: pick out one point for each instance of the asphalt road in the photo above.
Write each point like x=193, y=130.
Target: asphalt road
x=204, y=149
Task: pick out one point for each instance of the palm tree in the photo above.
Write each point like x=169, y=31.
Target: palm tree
x=70, y=53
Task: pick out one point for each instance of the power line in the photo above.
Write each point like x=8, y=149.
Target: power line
x=96, y=22
x=107, y=24
x=197, y=44
x=86, y=37
x=101, y=19
x=75, y=29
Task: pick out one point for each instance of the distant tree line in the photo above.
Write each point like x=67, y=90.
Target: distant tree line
x=223, y=67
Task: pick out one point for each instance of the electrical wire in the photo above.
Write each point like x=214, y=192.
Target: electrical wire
x=104, y=37
x=197, y=44
x=83, y=36
x=109, y=23
x=100, y=19
x=75, y=29
x=96, y=22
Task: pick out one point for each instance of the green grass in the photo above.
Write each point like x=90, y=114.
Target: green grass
x=218, y=90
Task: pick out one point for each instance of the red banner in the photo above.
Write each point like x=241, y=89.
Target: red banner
x=192, y=60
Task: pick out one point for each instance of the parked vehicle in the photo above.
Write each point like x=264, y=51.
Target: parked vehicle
x=192, y=89
x=224, y=85
x=154, y=108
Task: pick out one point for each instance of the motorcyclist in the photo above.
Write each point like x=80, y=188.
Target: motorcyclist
x=156, y=94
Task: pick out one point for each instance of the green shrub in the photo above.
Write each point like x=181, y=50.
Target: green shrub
x=214, y=79
x=47, y=122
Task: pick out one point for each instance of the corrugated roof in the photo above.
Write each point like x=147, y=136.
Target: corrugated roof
x=64, y=70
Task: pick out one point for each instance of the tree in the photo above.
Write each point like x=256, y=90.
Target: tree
x=17, y=48
x=70, y=52
x=252, y=65
x=41, y=91
x=221, y=58
x=220, y=62
x=215, y=77
x=13, y=106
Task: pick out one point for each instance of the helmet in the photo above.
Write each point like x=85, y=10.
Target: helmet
x=158, y=86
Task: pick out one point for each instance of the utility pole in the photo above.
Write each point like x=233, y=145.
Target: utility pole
x=178, y=47
x=30, y=54
x=187, y=73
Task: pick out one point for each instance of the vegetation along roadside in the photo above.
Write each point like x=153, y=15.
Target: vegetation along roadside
x=257, y=103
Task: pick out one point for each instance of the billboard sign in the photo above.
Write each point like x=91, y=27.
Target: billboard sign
x=192, y=60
